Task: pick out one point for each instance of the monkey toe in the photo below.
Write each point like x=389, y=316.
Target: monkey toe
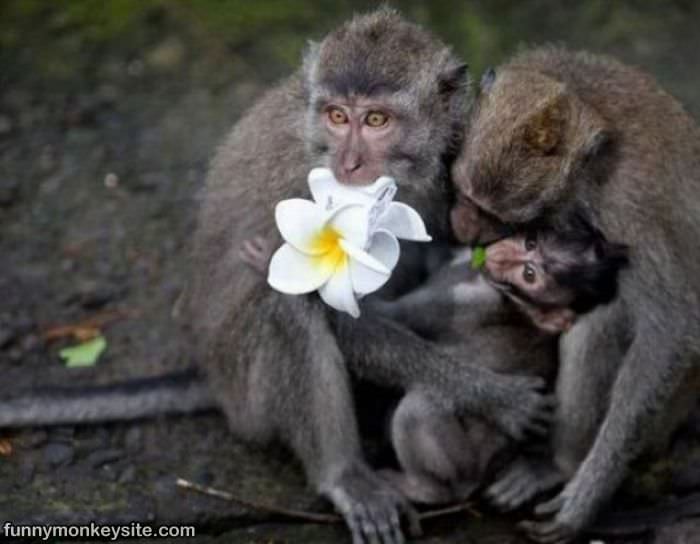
x=550, y=507
x=550, y=532
x=521, y=482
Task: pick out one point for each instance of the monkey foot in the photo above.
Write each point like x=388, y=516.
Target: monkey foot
x=425, y=490
x=372, y=508
x=552, y=531
x=521, y=482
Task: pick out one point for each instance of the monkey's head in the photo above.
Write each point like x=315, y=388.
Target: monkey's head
x=385, y=98
x=556, y=276
x=527, y=151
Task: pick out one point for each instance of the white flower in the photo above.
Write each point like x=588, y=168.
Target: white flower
x=344, y=244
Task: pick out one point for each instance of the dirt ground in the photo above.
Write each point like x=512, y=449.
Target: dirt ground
x=105, y=134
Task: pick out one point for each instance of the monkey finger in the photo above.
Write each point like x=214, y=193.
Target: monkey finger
x=367, y=524
x=512, y=497
x=538, y=429
x=383, y=523
x=546, y=533
x=550, y=507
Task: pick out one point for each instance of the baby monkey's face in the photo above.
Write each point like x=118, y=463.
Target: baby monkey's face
x=519, y=266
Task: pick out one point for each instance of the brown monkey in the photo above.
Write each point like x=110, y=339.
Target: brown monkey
x=551, y=277
x=377, y=96
x=555, y=134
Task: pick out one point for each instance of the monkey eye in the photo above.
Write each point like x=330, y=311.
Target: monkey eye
x=529, y=273
x=530, y=242
x=337, y=116
x=376, y=119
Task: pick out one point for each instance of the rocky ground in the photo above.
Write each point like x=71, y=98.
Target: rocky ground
x=107, y=121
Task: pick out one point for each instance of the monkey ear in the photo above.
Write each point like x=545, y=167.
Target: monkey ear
x=453, y=79
x=487, y=80
x=544, y=130
x=552, y=320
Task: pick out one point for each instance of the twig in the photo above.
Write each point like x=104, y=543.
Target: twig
x=312, y=517
x=298, y=514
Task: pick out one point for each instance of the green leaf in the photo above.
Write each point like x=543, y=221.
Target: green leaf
x=478, y=257
x=85, y=354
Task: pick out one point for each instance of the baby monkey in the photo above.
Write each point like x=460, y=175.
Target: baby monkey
x=541, y=278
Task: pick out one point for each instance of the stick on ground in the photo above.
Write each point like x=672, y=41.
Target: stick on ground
x=311, y=517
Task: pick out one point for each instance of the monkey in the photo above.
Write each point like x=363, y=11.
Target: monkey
x=377, y=96
x=551, y=278
x=554, y=134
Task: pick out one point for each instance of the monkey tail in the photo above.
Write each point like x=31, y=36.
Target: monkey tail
x=176, y=393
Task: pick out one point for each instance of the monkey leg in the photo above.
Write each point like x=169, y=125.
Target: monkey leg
x=288, y=381
x=587, y=370
x=383, y=352
x=433, y=451
x=646, y=386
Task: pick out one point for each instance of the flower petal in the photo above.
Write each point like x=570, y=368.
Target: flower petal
x=385, y=249
x=363, y=257
x=351, y=222
x=404, y=222
x=299, y=222
x=337, y=292
x=295, y=273
x=322, y=184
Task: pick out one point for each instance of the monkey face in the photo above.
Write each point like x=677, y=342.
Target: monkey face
x=385, y=100
x=470, y=224
x=519, y=267
x=527, y=135
x=360, y=132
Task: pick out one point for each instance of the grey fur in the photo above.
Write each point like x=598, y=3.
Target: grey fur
x=274, y=362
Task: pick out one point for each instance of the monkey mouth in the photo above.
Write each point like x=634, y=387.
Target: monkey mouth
x=501, y=286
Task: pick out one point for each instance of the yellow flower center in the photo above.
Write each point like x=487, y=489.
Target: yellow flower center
x=331, y=256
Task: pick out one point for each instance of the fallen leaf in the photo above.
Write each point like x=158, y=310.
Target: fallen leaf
x=5, y=447
x=87, y=329
x=85, y=354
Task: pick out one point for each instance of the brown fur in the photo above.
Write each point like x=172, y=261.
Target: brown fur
x=628, y=158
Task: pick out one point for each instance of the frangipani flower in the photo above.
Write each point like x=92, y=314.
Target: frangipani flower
x=344, y=244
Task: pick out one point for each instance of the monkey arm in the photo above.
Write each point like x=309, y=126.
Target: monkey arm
x=646, y=385
x=386, y=353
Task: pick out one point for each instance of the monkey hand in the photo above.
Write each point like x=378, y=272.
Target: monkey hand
x=572, y=512
x=520, y=408
x=371, y=507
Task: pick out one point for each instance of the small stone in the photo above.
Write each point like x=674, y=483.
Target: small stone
x=111, y=181
x=9, y=191
x=128, y=475
x=58, y=454
x=34, y=439
x=167, y=55
x=5, y=125
x=7, y=335
x=103, y=457
x=108, y=474
x=133, y=439
x=27, y=470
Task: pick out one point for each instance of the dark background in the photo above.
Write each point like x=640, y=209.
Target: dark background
x=109, y=112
